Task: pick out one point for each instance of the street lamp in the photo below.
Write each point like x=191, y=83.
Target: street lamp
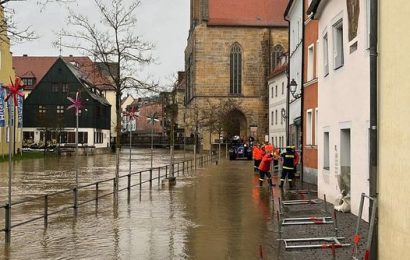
x=132, y=114
x=152, y=119
x=77, y=105
x=13, y=91
x=293, y=87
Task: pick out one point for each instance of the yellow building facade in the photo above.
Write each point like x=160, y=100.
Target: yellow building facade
x=7, y=73
x=394, y=135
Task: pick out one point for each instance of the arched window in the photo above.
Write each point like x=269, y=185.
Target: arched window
x=235, y=69
x=276, y=55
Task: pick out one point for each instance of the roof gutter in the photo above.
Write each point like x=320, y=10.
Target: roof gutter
x=373, y=167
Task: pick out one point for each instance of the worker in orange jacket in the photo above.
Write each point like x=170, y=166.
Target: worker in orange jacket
x=264, y=168
x=257, y=154
x=269, y=147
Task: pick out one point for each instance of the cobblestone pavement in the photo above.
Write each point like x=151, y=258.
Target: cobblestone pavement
x=346, y=224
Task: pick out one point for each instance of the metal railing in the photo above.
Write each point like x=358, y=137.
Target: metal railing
x=43, y=202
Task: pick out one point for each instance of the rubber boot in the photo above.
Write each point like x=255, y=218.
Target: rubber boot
x=281, y=185
x=260, y=183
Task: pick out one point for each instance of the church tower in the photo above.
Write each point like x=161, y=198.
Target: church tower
x=228, y=57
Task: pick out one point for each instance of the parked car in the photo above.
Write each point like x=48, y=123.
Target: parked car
x=239, y=150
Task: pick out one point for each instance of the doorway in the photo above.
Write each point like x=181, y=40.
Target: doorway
x=345, y=161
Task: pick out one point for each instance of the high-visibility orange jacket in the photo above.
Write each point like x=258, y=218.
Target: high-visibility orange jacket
x=257, y=153
x=265, y=163
x=269, y=148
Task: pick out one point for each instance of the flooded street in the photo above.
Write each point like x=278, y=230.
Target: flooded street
x=215, y=213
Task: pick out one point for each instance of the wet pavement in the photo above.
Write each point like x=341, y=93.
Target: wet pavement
x=217, y=212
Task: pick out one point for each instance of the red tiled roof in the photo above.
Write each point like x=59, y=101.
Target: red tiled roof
x=278, y=70
x=246, y=12
x=33, y=66
x=37, y=67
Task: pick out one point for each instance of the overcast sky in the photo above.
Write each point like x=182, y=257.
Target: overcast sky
x=163, y=22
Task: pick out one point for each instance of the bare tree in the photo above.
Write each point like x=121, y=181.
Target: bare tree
x=9, y=30
x=114, y=44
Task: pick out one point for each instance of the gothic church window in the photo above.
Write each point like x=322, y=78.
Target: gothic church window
x=276, y=55
x=235, y=69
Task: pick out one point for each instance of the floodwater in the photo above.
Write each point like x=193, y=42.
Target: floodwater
x=217, y=212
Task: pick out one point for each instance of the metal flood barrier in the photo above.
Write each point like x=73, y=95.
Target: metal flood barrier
x=177, y=167
x=325, y=242
x=356, y=238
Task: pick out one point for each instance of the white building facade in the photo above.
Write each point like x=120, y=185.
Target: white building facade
x=343, y=99
x=294, y=13
x=277, y=104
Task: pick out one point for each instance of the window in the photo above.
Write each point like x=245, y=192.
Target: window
x=28, y=81
x=326, y=150
x=64, y=87
x=82, y=138
x=309, y=126
x=283, y=141
x=236, y=69
x=272, y=140
x=281, y=117
x=276, y=91
x=310, y=61
x=276, y=55
x=271, y=92
x=60, y=110
x=54, y=87
x=283, y=88
x=42, y=109
x=316, y=124
x=338, y=57
x=98, y=138
x=276, y=117
x=325, y=55
x=271, y=120
x=276, y=141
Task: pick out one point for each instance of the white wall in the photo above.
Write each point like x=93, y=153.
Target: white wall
x=295, y=58
x=90, y=131
x=344, y=103
x=110, y=96
x=276, y=103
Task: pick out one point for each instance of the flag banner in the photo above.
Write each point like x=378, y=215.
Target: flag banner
x=10, y=107
x=20, y=111
x=2, y=118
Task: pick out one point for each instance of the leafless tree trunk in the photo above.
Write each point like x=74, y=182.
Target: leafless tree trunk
x=115, y=44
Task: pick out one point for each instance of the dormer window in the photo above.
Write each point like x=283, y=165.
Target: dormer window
x=28, y=81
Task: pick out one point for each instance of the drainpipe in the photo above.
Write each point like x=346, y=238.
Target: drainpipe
x=287, y=85
x=302, y=93
x=373, y=120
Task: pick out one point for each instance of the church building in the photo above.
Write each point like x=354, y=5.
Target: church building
x=232, y=47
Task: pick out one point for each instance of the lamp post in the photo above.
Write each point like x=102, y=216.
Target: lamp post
x=132, y=114
x=77, y=105
x=152, y=119
x=293, y=87
x=13, y=90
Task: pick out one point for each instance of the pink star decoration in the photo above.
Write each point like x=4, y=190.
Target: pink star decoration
x=75, y=103
x=132, y=114
x=14, y=90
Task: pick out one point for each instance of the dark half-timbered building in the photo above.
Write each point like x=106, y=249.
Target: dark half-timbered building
x=46, y=119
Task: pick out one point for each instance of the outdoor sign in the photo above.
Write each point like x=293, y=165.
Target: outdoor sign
x=20, y=111
x=2, y=118
x=10, y=106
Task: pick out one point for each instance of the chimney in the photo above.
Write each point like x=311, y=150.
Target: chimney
x=181, y=75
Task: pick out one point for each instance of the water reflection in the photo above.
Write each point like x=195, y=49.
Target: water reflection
x=216, y=213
